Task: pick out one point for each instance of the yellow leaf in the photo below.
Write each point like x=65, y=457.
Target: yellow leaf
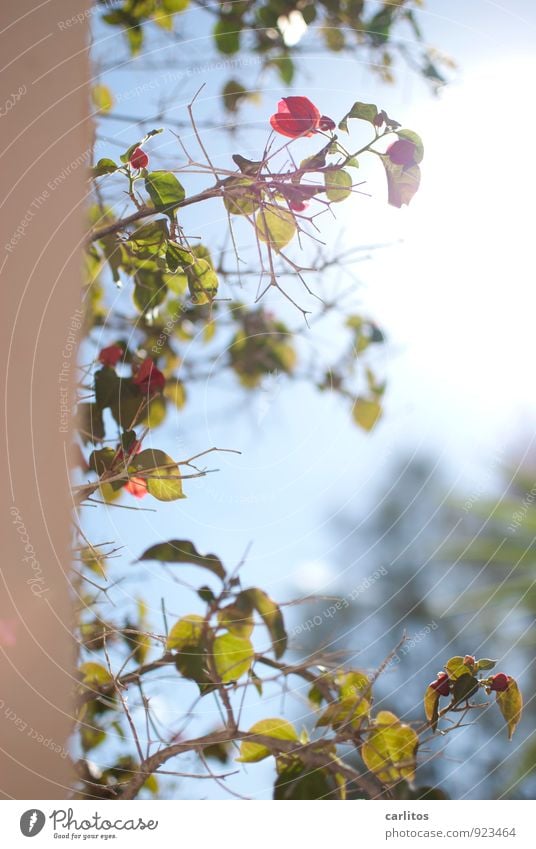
x=186, y=632
x=390, y=749
x=510, y=703
x=275, y=226
x=279, y=729
x=366, y=413
x=431, y=705
x=233, y=656
x=102, y=98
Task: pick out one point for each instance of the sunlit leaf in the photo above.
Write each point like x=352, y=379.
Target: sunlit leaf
x=233, y=656
x=163, y=475
x=239, y=197
x=484, y=664
x=104, y=166
x=164, y=189
x=94, y=674
x=366, y=412
x=364, y=111
x=271, y=616
x=102, y=97
x=275, y=226
x=277, y=728
x=431, y=706
x=186, y=632
x=390, y=749
x=510, y=703
x=338, y=185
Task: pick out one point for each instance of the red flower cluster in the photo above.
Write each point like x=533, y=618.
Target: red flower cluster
x=111, y=355
x=138, y=158
x=148, y=378
x=137, y=487
x=441, y=684
x=297, y=116
x=499, y=682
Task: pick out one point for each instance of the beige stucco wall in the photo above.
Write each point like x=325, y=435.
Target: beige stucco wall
x=44, y=130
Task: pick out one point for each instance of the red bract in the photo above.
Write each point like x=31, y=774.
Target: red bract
x=402, y=152
x=499, y=682
x=139, y=158
x=326, y=123
x=295, y=117
x=441, y=684
x=137, y=487
x=148, y=378
x=111, y=355
x=297, y=205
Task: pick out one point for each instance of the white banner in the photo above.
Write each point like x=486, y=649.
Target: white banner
x=263, y=825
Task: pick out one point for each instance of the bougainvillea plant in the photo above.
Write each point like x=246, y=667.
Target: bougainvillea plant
x=238, y=644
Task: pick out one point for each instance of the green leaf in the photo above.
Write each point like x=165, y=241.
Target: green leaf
x=390, y=749
x=147, y=241
x=275, y=226
x=164, y=190
x=351, y=711
x=125, y=408
x=402, y=183
x=484, y=664
x=510, y=703
x=233, y=656
x=150, y=289
x=163, y=483
x=227, y=35
x=102, y=460
x=114, y=254
x=285, y=68
x=277, y=728
x=431, y=706
x=218, y=751
x=464, y=687
x=91, y=736
x=233, y=94
x=102, y=98
x=338, y=185
x=236, y=620
x=104, y=166
x=352, y=684
x=175, y=391
x=364, y=111
x=177, y=256
x=186, y=632
x=106, y=386
x=202, y=278
x=239, y=197
x=456, y=667
x=271, y=615
x=366, y=412
x=90, y=423
x=184, y=551
x=173, y=6
x=298, y=782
